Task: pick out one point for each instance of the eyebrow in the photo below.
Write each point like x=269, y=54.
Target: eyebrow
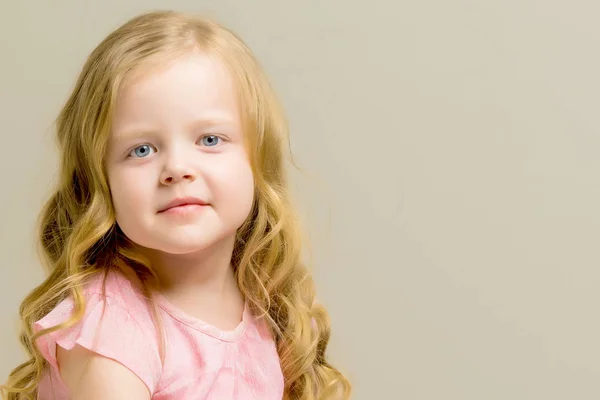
x=132, y=132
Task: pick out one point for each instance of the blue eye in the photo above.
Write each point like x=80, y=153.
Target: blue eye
x=141, y=151
x=210, y=140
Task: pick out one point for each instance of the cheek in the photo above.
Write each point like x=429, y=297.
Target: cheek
x=236, y=182
x=128, y=193
x=243, y=175
x=246, y=190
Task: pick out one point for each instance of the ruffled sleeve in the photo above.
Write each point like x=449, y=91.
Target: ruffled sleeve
x=108, y=329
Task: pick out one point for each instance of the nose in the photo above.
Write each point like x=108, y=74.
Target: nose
x=177, y=171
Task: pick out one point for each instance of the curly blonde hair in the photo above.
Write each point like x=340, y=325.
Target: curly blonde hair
x=79, y=237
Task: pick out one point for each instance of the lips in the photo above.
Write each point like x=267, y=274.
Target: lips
x=183, y=201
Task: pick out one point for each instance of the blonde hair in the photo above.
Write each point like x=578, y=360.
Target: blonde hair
x=78, y=233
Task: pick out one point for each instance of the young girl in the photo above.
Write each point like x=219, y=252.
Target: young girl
x=174, y=254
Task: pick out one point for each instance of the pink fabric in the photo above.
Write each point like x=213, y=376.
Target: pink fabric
x=201, y=361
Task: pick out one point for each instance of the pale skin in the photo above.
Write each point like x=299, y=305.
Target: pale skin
x=176, y=132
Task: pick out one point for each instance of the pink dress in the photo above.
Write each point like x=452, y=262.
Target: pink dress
x=201, y=361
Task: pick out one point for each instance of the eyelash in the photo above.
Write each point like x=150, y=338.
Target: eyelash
x=219, y=137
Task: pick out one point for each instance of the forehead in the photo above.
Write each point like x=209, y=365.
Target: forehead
x=184, y=89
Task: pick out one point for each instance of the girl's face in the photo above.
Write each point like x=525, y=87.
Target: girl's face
x=177, y=165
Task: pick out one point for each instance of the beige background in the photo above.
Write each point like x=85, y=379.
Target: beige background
x=450, y=177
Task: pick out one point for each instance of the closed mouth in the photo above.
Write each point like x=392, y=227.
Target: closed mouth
x=185, y=201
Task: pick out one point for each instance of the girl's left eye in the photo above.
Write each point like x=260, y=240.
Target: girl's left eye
x=210, y=140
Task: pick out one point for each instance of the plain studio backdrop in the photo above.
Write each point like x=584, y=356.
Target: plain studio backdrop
x=450, y=178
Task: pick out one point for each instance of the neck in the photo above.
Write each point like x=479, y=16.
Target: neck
x=206, y=274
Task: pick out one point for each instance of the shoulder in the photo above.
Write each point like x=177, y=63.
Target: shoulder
x=116, y=332
x=110, y=300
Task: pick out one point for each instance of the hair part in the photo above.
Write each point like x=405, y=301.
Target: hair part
x=79, y=238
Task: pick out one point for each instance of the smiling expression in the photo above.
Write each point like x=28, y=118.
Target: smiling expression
x=177, y=164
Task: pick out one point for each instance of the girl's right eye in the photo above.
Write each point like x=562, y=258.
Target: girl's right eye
x=141, y=151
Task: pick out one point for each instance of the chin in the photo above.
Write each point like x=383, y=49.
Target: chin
x=189, y=244
x=180, y=248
